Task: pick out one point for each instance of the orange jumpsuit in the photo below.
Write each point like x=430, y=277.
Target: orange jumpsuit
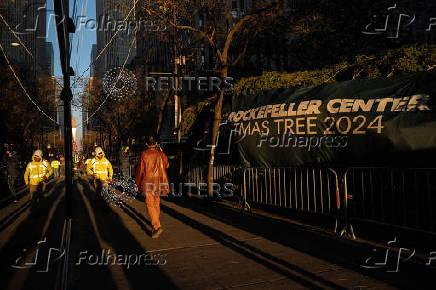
x=151, y=177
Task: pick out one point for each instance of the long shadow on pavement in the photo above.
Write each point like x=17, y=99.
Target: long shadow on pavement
x=44, y=225
x=10, y=218
x=342, y=252
x=137, y=217
x=245, y=249
x=21, y=192
x=112, y=235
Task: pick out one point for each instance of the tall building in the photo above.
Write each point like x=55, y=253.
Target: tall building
x=49, y=58
x=59, y=109
x=113, y=51
x=27, y=18
x=116, y=53
x=30, y=54
x=92, y=72
x=87, y=124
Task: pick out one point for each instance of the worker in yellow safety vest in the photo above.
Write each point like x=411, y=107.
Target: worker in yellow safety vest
x=55, y=164
x=84, y=165
x=37, y=172
x=87, y=162
x=101, y=169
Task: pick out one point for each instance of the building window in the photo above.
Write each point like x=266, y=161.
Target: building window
x=202, y=53
x=200, y=21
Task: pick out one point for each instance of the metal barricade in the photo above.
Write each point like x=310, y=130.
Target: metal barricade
x=195, y=174
x=312, y=190
x=399, y=197
x=198, y=174
x=228, y=176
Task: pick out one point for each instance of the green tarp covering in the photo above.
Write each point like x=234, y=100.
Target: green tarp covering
x=387, y=122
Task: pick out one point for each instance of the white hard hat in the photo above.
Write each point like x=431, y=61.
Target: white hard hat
x=37, y=154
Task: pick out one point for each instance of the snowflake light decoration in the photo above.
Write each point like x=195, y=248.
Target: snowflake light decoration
x=119, y=83
x=120, y=191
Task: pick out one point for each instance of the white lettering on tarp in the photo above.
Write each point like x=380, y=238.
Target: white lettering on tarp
x=418, y=102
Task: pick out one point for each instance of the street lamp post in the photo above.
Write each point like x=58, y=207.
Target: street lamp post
x=65, y=26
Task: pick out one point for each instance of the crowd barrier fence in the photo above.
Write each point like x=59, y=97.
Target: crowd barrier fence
x=399, y=197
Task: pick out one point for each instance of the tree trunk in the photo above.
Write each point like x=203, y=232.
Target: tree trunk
x=215, y=129
x=163, y=104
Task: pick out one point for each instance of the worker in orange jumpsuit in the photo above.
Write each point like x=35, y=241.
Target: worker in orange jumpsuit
x=152, y=180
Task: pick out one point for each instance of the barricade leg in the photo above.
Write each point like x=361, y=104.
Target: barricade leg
x=347, y=229
x=243, y=204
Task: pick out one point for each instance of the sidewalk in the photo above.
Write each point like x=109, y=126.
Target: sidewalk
x=203, y=246
x=206, y=246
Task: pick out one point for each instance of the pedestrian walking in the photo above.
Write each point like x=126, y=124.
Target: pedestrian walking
x=101, y=170
x=12, y=171
x=37, y=172
x=62, y=165
x=55, y=164
x=83, y=165
x=125, y=161
x=152, y=180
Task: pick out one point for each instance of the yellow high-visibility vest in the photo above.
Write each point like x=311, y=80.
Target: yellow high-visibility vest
x=35, y=171
x=102, y=168
x=55, y=164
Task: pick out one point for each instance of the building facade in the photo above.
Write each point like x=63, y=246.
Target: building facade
x=115, y=54
x=27, y=18
x=49, y=58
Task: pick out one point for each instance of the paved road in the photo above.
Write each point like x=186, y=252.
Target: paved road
x=204, y=246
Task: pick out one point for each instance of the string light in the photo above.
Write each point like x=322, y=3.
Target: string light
x=15, y=44
x=16, y=36
x=119, y=28
x=110, y=93
x=113, y=37
x=24, y=89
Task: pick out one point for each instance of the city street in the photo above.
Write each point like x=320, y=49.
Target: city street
x=204, y=144
x=213, y=247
